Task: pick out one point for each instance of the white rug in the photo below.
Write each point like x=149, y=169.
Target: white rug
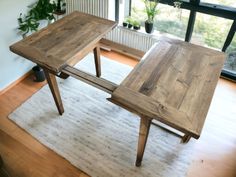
x=97, y=136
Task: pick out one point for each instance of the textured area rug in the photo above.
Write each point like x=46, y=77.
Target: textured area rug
x=97, y=136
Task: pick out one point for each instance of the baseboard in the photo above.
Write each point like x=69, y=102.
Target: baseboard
x=15, y=82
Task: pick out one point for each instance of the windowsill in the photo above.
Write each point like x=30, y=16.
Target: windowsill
x=155, y=34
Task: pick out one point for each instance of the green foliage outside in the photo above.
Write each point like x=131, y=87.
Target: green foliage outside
x=172, y=27
x=208, y=30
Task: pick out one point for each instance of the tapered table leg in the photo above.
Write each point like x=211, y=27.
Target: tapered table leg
x=143, y=135
x=52, y=82
x=185, y=138
x=96, y=52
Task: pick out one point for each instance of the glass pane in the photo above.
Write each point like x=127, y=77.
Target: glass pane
x=230, y=63
x=169, y=19
x=172, y=20
x=231, y=3
x=210, y=31
x=137, y=10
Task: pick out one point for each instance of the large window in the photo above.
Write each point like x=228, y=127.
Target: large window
x=208, y=24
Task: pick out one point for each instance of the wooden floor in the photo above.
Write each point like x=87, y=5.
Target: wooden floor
x=215, y=155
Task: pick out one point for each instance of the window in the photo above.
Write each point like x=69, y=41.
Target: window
x=172, y=20
x=169, y=19
x=210, y=31
x=230, y=63
x=231, y=3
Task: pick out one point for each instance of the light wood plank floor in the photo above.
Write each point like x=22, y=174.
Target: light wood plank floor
x=215, y=155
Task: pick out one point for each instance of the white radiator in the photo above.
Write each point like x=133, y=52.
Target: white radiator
x=94, y=7
x=101, y=8
x=131, y=38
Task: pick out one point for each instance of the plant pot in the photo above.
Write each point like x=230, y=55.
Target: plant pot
x=125, y=24
x=137, y=27
x=130, y=25
x=148, y=27
x=38, y=74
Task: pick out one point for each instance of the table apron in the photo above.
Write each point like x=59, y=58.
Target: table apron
x=90, y=79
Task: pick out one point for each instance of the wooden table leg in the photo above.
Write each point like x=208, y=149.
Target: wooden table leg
x=96, y=52
x=143, y=135
x=185, y=138
x=52, y=82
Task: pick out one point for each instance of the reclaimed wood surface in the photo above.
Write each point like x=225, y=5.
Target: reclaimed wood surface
x=174, y=83
x=65, y=41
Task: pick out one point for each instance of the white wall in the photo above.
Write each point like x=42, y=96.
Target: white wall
x=12, y=66
x=111, y=10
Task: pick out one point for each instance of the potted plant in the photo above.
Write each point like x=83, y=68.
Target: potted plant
x=41, y=10
x=60, y=7
x=125, y=22
x=136, y=25
x=151, y=10
x=129, y=20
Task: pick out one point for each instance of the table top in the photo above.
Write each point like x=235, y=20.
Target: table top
x=63, y=41
x=174, y=83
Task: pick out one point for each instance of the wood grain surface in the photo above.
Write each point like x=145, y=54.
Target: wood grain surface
x=65, y=41
x=174, y=83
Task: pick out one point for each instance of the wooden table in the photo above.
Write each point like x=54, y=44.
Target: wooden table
x=64, y=43
x=174, y=82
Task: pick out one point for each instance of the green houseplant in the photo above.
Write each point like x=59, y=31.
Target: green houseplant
x=151, y=11
x=136, y=25
x=41, y=10
x=129, y=20
x=125, y=22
